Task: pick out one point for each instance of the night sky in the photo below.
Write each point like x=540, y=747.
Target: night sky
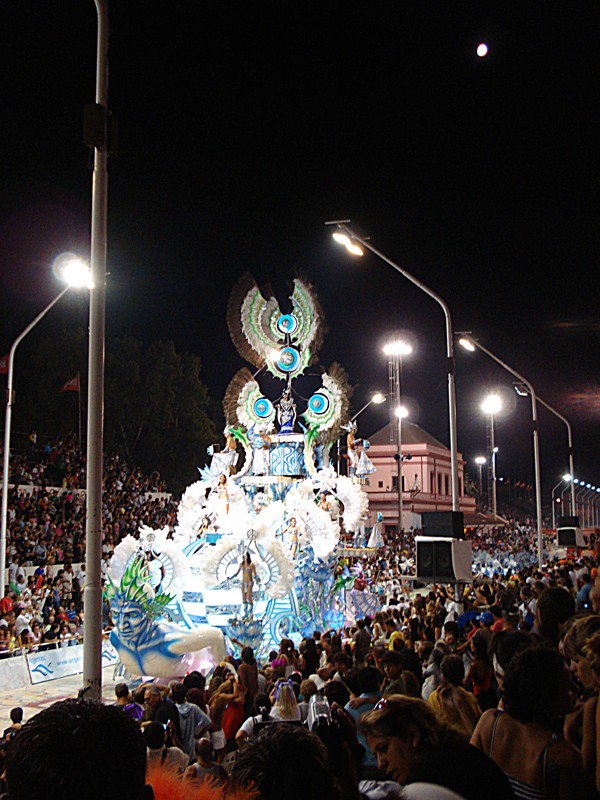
x=242, y=131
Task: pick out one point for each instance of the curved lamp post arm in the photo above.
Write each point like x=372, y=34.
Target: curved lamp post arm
x=449, y=353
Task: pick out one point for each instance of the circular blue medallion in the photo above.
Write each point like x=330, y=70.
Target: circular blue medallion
x=318, y=403
x=263, y=407
x=287, y=323
x=289, y=359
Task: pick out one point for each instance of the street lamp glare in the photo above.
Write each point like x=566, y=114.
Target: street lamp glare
x=402, y=412
x=350, y=246
x=398, y=349
x=73, y=270
x=566, y=477
x=378, y=398
x=492, y=404
x=480, y=460
x=467, y=344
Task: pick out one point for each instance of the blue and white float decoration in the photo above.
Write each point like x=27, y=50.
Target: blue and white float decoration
x=274, y=495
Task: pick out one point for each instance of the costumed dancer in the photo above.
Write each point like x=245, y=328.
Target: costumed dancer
x=223, y=493
x=261, y=459
x=249, y=575
x=359, y=536
x=352, y=447
x=364, y=466
x=293, y=535
x=376, y=537
x=286, y=412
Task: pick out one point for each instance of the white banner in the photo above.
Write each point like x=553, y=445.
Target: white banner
x=13, y=673
x=51, y=664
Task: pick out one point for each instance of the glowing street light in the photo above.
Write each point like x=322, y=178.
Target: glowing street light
x=353, y=243
x=75, y=274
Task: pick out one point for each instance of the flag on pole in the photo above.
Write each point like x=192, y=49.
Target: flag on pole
x=72, y=385
x=4, y=365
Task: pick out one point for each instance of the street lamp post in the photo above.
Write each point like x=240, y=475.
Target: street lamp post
x=470, y=344
x=75, y=273
x=395, y=351
x=92, y=624
x=345, y=236
x=491, y=406
x=480, y=461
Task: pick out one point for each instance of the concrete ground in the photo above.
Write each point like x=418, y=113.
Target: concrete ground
x=34, y=698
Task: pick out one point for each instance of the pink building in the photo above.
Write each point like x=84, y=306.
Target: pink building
x=426, y=477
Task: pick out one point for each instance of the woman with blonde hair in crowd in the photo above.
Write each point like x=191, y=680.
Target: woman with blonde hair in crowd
x=285, y=706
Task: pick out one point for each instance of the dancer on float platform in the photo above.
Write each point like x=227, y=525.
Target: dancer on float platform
x=249, y=575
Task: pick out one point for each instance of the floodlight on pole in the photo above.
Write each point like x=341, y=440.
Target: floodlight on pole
x=342, y=230
x=468, y=340
x=75, y=273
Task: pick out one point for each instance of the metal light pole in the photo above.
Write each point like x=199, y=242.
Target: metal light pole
x=523, y=391
x=470, y=344
x=491, y=406
x=395, y=350
x=345, y=236
x=92, y=625
x=480, y=461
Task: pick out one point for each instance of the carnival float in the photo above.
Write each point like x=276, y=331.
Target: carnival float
x=252, y=557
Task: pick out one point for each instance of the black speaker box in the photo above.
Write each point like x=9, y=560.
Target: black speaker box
x=443, y=560
x=448, y=524
x=570, y=537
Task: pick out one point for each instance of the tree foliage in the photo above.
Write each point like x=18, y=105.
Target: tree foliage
x=156, y=408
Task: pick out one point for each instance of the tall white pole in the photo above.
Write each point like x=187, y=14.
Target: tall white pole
x=92, y=626
x=450, y=365
x=7, y=429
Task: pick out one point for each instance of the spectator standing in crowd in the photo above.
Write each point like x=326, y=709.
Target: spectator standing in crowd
x=521, y=737
x=159, y=753
x=204, y=768
x=193, y=722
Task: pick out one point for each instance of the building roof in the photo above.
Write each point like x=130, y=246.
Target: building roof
x=411, y=434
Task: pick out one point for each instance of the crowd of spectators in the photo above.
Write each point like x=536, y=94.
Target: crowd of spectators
x=43, y=606
x=492, y=694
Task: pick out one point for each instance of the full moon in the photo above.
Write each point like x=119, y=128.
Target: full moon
x=482, y=50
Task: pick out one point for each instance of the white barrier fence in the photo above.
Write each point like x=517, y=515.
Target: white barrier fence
x=48, y=665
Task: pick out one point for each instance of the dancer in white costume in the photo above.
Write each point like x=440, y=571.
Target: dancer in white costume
x=376, y=537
